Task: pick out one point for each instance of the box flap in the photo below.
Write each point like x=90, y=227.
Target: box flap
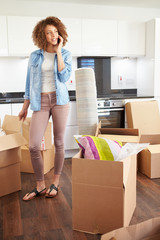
x=11, y=141
x=119, y=134
x=122, y=138
x=144, y=230
x=126, y=169
x=152, y=138
x=10, y=157
x=108, y=173
x=97, y=129
x=129, y=179
x=119, y=131
x=143, y=115
x=11, y=124
x=154, y=148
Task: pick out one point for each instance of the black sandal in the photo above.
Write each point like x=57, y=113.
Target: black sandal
x=48, y=195
x=37, y=194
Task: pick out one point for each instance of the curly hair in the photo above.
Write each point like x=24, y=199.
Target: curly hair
x=38, y=33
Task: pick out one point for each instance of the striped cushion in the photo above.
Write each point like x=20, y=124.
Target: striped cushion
x=99, y=148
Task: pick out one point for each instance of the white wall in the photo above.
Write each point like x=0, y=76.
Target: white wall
x=145, y=76
x=47, y=8
x=126, y=69
x=13, y=74
x=17, y=66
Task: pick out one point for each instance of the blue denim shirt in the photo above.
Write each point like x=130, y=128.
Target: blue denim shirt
x=33, y=79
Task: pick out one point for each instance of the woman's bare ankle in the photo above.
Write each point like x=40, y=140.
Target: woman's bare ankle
x=40, y=185
x=56, y=178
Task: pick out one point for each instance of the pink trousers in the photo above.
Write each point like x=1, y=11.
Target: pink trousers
x=38, y=126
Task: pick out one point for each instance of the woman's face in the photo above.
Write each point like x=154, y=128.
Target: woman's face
x=51, y=34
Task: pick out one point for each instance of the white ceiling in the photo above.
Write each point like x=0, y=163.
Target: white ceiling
x=121, y=3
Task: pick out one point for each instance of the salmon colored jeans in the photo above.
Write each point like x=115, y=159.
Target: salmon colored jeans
x=38, y=126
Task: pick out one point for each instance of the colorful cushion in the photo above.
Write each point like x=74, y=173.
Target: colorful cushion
x=98, y=148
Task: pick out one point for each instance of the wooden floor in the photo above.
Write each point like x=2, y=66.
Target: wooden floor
x=49, y=219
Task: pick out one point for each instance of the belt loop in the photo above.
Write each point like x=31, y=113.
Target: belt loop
x=49, y=95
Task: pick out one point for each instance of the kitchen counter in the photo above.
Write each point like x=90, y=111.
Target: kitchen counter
x=17, y=97
x=21, y=100
x=11, y=97
x=11, y=100
x=113, y=97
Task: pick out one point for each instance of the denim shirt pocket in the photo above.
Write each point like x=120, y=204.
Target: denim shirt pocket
x=34, y=68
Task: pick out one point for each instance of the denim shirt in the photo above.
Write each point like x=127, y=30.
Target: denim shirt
x=33, y=79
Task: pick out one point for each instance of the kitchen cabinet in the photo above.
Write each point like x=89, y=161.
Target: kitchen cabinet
x=21, y=44
x=99, y=37
x=5, y=109
x=12, y=109
x=20, y=35
x=72, y=128
x=16, y=108
x=3, y=38
x=131, y=38
x=69, y=141
x=153, y=39
x=74, y=30
x=153, y=51
x=72, y=117
x=86, y=37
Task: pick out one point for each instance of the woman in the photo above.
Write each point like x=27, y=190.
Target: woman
x=46, y=93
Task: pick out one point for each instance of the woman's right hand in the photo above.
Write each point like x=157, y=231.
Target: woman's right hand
x=23, y=114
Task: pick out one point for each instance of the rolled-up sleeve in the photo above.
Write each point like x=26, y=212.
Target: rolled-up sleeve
x=65, y=74
x=27, y=88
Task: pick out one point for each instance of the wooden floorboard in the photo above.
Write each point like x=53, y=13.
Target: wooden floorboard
x=47, y=219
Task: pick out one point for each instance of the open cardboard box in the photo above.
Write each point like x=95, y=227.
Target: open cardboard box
x=146, y=117
x=103, y=192
x=26, y=164
x=10, y=155
x=47, y=138
x=147, y=230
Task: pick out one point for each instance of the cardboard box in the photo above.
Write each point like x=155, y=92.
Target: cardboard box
x=26, y=164
x=47, y=138
x=10, y=155
x=143, y=115
x=149, y=161
x=103, y=193
x=147, y=230
x=146, y=117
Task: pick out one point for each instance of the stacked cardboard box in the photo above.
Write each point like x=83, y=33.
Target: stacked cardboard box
x=47, y=155
x=10, y=155
x=146, y=117
x=104, y=192
x=47, y=149
x=47, y=138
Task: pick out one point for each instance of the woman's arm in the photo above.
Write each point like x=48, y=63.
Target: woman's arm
x=60, y=62
x=24, y=111
x=64, y=65
x=65, y=73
